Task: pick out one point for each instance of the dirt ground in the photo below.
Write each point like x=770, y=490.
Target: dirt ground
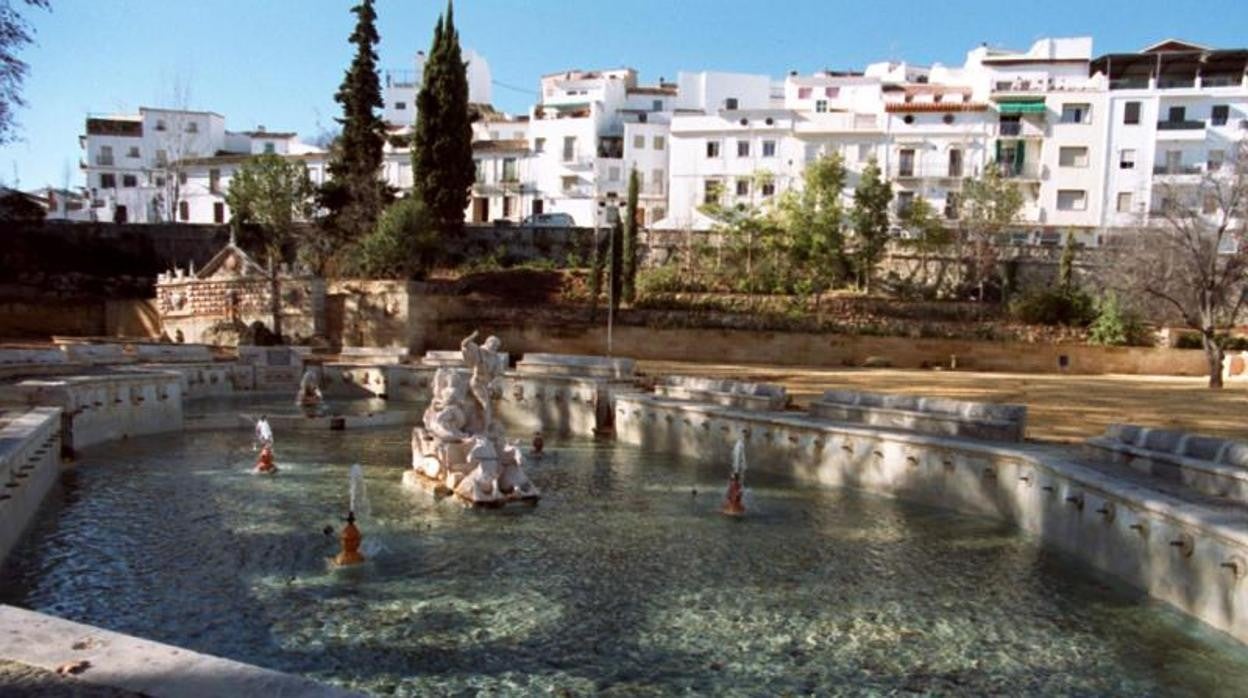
x=1059, y=407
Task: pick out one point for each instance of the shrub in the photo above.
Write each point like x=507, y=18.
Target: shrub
x=1116, y=326
x=403, y=245
x=664, y=279
x=1054, y=306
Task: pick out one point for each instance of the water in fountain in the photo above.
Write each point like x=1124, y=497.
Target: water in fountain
x=358, y=494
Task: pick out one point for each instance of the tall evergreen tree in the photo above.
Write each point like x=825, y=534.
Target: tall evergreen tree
x=442, y=166
x=870, y=217
x=630, y=239
x=356, y=193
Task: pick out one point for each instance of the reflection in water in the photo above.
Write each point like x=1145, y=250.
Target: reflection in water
x=622, y=577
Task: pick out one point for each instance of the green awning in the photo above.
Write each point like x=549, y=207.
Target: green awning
x=1033, y=107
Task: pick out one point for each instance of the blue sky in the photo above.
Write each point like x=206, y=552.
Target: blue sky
x=278, y=62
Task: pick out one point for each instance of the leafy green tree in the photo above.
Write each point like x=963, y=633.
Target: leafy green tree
x=442, y=167
x=1115, y=325
x=629, y=269
x=273, y=194
x=813, y=219
x=405, y=243
x=870, y=219
x=928, y=235
x=356, y=194
x=990, y=205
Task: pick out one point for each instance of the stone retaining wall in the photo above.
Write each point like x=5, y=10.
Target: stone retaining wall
x=931, y=415
x=30, y=456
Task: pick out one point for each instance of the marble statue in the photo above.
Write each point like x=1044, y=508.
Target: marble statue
x=484, y=361
x=459, y=449
x=309, y=394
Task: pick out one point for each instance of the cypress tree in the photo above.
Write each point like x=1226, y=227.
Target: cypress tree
x=356, y=193
x=442, y=166
x=630, y=239
x=1066, y=268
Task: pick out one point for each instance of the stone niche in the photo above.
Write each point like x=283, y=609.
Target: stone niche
x=233, y=290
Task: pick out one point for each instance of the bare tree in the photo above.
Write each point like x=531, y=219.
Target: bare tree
x=990, y=206
x=179, y=139
x=1191, y=256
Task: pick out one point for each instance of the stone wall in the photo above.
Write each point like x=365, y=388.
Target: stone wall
x=30, y=457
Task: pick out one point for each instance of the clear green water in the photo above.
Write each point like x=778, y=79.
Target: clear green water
x=620, y=582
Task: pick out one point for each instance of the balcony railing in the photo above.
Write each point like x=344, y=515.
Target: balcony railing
x=104, y=160
x=1028, y=170
x=1135, y=83
x=1176, y=82
x=1185, y=125
x=1180, y=169
x=918, y=170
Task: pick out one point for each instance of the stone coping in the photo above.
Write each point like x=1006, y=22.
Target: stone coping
x=725, y=385
x=142, y=666
x=31, y=356
x=577, y=364
x=454, y=358
x=1229, y=524
x=964, y=409
x=90, y=379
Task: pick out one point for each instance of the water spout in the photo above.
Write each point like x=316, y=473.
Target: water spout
x=358, y=492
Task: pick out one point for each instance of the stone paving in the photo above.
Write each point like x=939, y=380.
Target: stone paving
x=19, y=680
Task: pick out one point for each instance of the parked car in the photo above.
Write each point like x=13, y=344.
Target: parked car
x=550, y=220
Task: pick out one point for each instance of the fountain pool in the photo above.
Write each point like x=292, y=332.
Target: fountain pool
x=620, y=580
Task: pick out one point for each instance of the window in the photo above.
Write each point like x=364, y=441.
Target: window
x=613, y=174
x=712, y=149
x=1076, y=113
x=192, y=127
x=133, y=152
x=400, y=106
x=184, y=211
x=1126, y=159
x=769, y=188
x=952, y=205
x=270, y=147
x=864, y=152
x=1209, y=205
x=569, y=183
x=1176, y=114
x=730, y=104
x=1214, y=161
x=804, y=92
x=506, y=207
x=657, y=143
x=181, y=178
x=743, y=187
x=509, y=170
x=569, y=148
x=769, y=149
x=106, y=156
x=160, y=181
x=160, y=125
x=1072, y=200
x=479, y=166
x=656, y=181
x=657, y=105
x=712, y=191
x=905, y=200
x=129, y=181
x=1131, y=113
x=831, y=92
x=539, y=145
x=218, y=212
x=955, y=162
x=162, y=158
x=905, y=163
x=108, y=180
x=639, y=142
x=1073, y=156
x=743, y=149
x=821, y=106
x=1124, y=202
x=214, y=181
x=1219, y=114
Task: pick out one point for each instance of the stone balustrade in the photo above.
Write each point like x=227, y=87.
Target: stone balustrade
x=724, y=391
x=931, y=415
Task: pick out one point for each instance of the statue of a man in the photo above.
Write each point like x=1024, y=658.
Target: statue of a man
x=483, y=359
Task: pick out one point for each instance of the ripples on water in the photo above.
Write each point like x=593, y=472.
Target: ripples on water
x=622, y=580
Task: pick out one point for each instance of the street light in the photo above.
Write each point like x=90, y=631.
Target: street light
x=603, y=207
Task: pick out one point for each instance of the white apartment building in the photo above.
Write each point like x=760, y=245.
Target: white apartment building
x=401, y=87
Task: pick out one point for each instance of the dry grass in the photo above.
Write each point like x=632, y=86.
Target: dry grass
x=1059, y=407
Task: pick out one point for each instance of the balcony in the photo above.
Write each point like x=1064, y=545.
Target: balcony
x=1185, y=125
x=577, y=162
x=1024, y=171
x=923, y=170
x=580, y=191
x=1019, y=129
x=1177, y=170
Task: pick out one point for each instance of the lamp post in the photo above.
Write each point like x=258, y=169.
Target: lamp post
x=602, y=207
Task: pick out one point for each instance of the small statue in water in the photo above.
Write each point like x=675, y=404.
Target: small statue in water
x=265, y=463
x=309, y=394
x=734, y=504
x=351, y=539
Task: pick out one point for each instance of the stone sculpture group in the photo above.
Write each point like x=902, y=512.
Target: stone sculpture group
x=459, y=449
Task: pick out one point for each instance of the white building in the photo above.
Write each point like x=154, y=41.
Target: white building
x=401, y=87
